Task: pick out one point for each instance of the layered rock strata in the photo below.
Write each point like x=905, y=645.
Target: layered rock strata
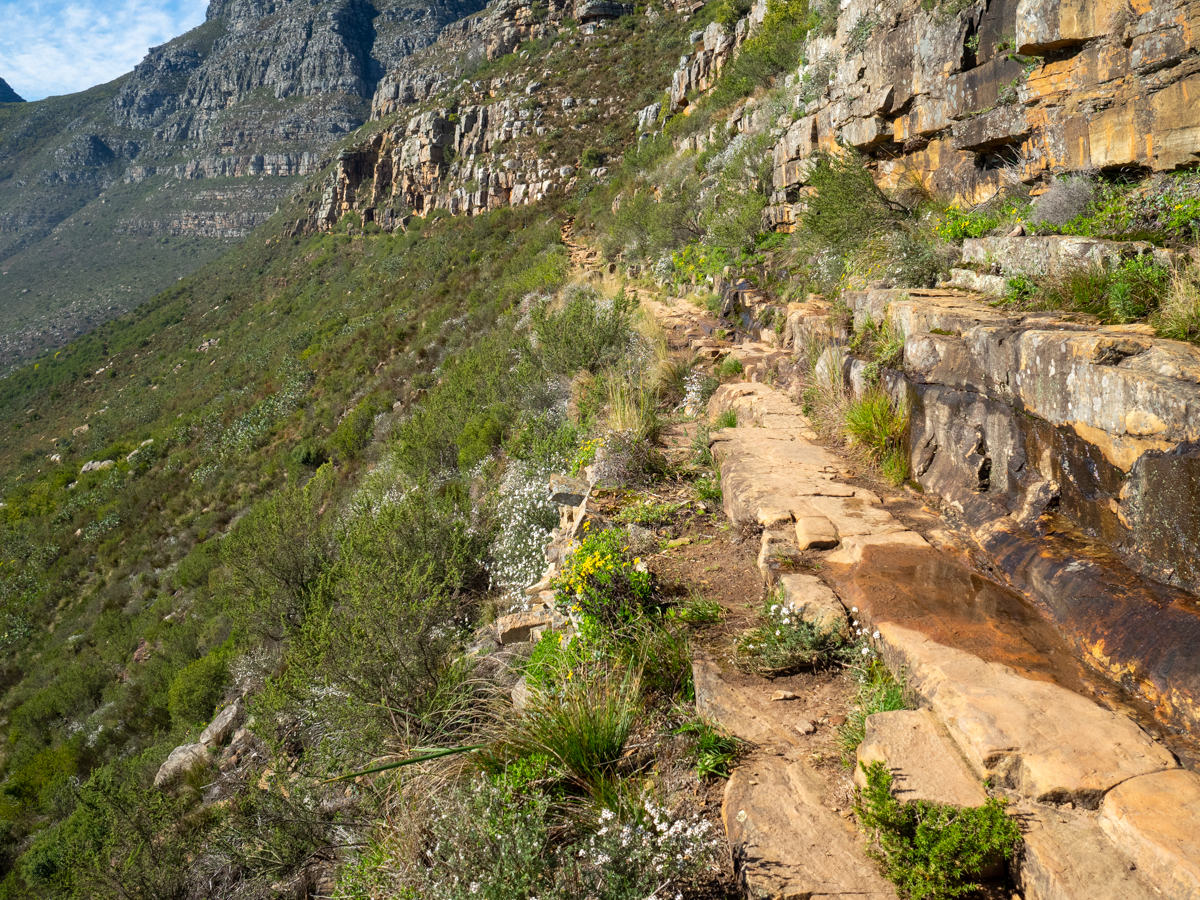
x=1002, y=92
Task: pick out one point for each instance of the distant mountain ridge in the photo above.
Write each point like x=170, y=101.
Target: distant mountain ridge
x=121, y=189
x=8, y=95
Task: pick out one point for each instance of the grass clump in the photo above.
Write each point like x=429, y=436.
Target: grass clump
x=1179, y=315
x=1129, y=291
x=881, y=343
x=697, y=610
x=715, y=750
x=646, y=513
x=931, y=851
x=878, y=691
x=729, y=367
x=880, y=427
x=784, y=643
x=727, y=419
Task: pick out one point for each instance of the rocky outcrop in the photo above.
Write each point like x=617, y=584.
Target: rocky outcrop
x=8, y=95
x=1002, y=92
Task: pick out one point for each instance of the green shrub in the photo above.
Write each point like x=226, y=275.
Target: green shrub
x=310, y=454
x=193, y=570
x=774, y=49
x=709, y=489
x=588, y=333
x=399, y=599
x=354, y=431
x=931, y=851
x=198, y=688
x=846, y=208
x=276, y=557
x=727, y=419
x=602, y=584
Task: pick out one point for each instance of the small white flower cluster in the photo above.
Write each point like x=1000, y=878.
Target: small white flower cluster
x=527, y=518
x=669, y=848
x=694, y=388
x=863, y=637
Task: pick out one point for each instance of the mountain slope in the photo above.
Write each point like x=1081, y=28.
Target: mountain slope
x=121, y=189
x=8, y=95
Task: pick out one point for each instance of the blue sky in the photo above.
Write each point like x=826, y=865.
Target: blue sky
x=50, y=47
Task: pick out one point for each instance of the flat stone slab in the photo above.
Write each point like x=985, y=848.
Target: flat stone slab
x=786, y=844
x=815, y=533
x=814, y=601
x=1035, y=737
x=1156, y=820
x=1065, y=856
x=729, y=707
x=925, y=763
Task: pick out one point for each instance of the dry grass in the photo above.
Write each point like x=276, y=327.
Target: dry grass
x=1179, y=315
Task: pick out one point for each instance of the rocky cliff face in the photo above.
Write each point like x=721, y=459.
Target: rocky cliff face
x=259, y=92
x=501, y=143
x=1004, y=91
x=8, y=95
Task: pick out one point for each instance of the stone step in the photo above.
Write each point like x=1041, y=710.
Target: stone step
x=787, y=844
x=1065, y=856
x=1155, y=819
x=1037, y=738
x=925, y=763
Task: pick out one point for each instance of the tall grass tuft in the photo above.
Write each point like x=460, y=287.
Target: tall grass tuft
x=880, y=427
x=1179, y=315
x=582, y=729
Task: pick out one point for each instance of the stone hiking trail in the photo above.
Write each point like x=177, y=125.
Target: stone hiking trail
x=1104, y=808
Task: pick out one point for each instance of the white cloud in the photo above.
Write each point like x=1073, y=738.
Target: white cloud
x=50, y=47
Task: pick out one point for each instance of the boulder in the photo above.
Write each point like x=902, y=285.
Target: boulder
x=223, y=725
x=568, y=491
x=182, y=761
x=518, y=627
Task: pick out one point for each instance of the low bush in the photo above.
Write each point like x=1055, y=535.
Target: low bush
x=587, y=333
x=931, y=851
x=785, y=643
x=600, y=583
x=198, y=688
